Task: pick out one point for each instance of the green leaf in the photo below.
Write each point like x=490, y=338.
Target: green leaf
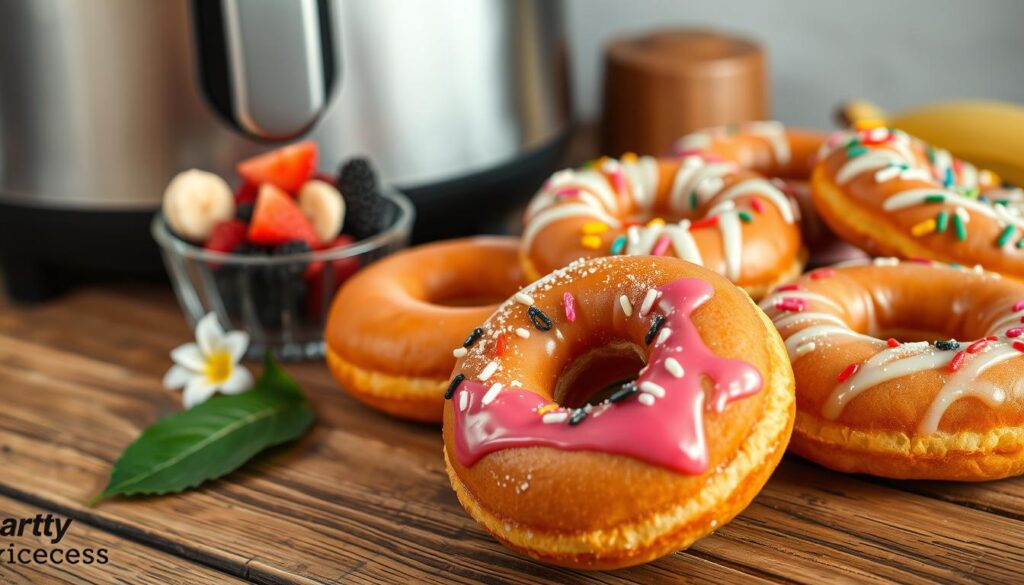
x=212, y=439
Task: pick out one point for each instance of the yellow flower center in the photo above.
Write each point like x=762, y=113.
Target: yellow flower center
x=218, y=367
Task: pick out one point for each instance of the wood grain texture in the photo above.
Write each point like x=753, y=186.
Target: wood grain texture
x=129, y=562
x=363, y=498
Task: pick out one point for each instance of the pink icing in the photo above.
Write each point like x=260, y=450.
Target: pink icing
x=668, y=433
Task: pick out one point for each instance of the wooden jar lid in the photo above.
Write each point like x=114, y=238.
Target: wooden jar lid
x=660, y=86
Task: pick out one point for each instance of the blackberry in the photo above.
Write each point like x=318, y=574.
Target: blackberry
x=366, y=212
x=292, y=270
x=243, y=212
x=357, y=179
x=247, y=249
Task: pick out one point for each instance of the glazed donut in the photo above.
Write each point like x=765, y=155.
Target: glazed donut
x=728, y=219
x=392, y=326
x=553, y=453
x=786, y=156
x=894, y=195
x=872, y=398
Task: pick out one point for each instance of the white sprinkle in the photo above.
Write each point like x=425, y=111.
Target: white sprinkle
x=878, y=134
x=489, y=370
x=653, y=389
x=645, y=399
x=888, y=173
x=645, y=307
x=524, y=299
x=627, y=308
x=964, y=215
x=673, y=367
x=663, y=335
x=523, y=332
x=558, y=334
x=805, y=348
x=463, y=400
x=553, y=418
x=492, y=393
x=886, y=261
x=516, y=383
x=550, y=346
x=523, y=487
x=459, y=352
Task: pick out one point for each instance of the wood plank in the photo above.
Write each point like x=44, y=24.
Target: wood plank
x=364, y=498
x=128, y=562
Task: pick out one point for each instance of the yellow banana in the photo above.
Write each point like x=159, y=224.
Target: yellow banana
x=989, y=134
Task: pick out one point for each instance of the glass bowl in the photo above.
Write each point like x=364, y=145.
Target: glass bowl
x=281, y=301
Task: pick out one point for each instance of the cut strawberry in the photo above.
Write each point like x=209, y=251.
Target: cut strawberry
x=246, y=193
x=277, y=220
x=321, y=289
x=287, y=167
x=226, y=236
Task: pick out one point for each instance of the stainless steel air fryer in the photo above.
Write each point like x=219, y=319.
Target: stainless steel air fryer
x=462, y=104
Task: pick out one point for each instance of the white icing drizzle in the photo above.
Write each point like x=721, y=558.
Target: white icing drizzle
x=732, y=243
x=773, y=131
x=643, y=181
x=883, y=366
x=965, y=383
x=787, y=319
x=765, y=189
x=552, y=214
x=817, y=332
x=869, y=161
x=700, y=182
x=678, y=192
x=912, y=197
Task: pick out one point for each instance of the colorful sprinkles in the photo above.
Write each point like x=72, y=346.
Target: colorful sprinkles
x=472, y=337
x=569, y=303
x=454, y=385
x=539, y=319
x=656, y=324
x=628, y=389
x=847, y=372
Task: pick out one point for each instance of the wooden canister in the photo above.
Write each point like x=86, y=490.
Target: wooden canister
x=663, y=85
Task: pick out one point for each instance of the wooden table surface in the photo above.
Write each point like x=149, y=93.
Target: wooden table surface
x=364, y=498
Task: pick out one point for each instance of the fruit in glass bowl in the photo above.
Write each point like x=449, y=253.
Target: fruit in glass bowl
x=272, y=265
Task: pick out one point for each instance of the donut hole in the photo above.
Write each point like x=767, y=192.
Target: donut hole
x=595, y=375
x=490, y=287
x=905, y=318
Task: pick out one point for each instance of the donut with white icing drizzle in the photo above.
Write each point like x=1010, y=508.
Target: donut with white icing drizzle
x=786, y=156
x=554, y=449
x=894, y=195
x=910, y=370
x=714, y=214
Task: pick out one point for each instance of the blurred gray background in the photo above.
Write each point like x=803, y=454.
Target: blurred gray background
x=821, y=53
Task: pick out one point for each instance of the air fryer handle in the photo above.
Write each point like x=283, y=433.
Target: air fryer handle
x=266, y=66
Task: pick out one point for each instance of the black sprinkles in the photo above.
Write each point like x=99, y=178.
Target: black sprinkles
x=454, y=385
x=539, y=319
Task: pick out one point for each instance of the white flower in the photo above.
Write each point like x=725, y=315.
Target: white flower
x=210, y=364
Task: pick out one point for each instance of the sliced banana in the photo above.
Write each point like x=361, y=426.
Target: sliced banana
x=322, y=204
x=195, y=201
